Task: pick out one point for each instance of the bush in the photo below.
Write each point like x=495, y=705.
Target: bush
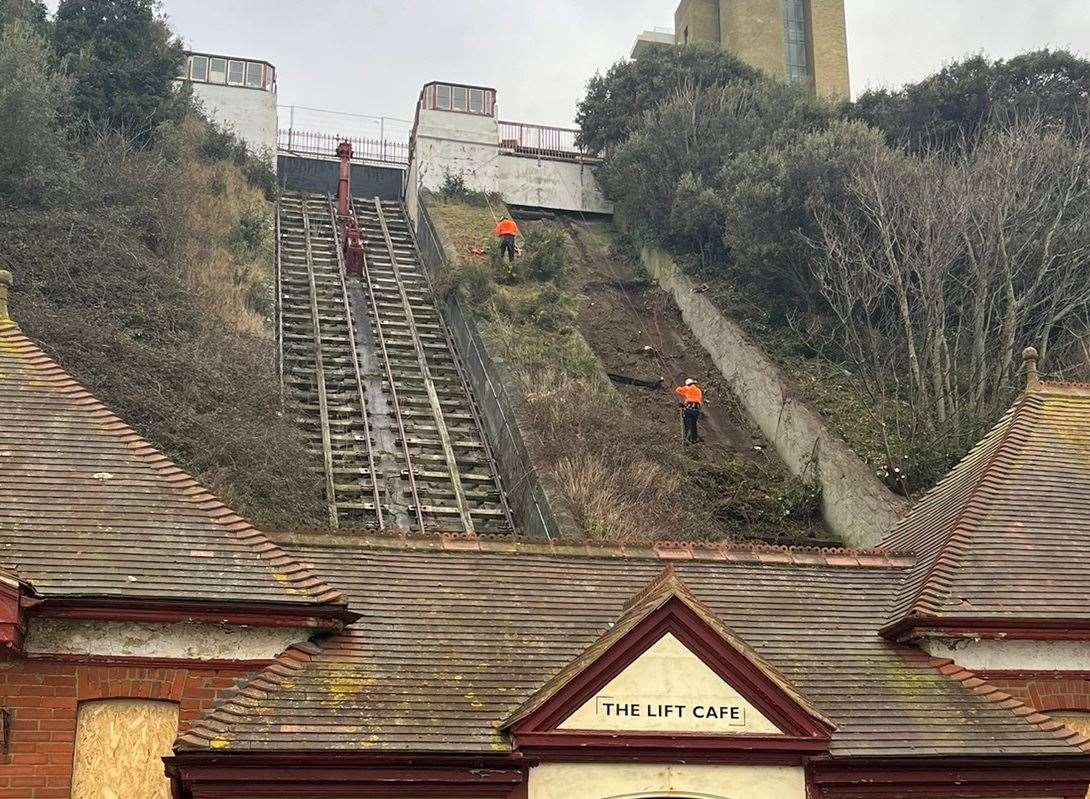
x=35, y=163
x=546, y=255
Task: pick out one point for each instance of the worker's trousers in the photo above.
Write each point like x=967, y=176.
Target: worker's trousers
x=507, y=246
x=690, y=414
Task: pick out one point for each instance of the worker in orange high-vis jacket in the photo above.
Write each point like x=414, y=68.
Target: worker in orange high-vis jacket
x=507, y=230
x=692, y=401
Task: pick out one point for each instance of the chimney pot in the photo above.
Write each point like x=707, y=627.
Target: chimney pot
x=1029, y=364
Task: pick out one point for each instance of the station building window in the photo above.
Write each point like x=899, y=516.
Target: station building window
x=236, y=73
x=217, y=70
x=453, y=97
x=198, y=68
x=202, y=68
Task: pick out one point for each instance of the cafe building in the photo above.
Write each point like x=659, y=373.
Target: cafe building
x=154, y=644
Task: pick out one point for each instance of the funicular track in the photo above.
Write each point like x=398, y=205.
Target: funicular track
x=449, y=466
x=369, y=370
x=320, y=368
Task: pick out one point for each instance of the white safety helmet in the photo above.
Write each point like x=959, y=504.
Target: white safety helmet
x=690, y=382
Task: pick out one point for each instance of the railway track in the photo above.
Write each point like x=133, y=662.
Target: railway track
x=321, y=377
x=372, y=373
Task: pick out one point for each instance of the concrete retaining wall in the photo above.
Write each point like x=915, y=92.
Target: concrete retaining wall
x=498, y=398
x=855, y=504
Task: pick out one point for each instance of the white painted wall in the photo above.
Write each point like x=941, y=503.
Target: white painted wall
x=449, y=142
x=186, y=640
x=640, y=780
x=251, y=113
x=854, y=503
x=999, y=655
x=550, y=183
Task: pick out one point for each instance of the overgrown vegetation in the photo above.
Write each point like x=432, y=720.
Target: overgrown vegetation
x=615, y=456
x=868, y=245
x=140, y=239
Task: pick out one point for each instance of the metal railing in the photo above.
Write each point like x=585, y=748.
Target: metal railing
x=527, y=497
x=542, y=140
x=309, y=142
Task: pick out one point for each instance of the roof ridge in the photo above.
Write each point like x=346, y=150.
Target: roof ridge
x=298, y=575
x=729, y=551
x=274, y=677
x=934, y=576
x=1023, y=710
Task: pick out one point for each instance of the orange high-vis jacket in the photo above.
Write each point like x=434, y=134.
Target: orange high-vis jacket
x=507, y=227
x=690, y=395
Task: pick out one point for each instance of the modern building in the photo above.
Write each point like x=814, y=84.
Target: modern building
x=236, y=92
x=801, y=41
x=655, y=37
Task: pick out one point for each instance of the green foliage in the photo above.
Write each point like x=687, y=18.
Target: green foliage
x=615, y=103
x=222, y=143
x=956, y=103
x=546, y=256
x=32, y=13
x=768, y=198
x=123, y=60
x=665, y=175
x=35, y=166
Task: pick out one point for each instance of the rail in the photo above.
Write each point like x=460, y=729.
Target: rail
x=380, y=335
x=521, y=480
x=543, y=141
x=309, y=142
x=505, y=506
x=429, y=384
x=319, y=376
x=360, y=393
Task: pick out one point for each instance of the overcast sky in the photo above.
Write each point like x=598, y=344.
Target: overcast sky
x=372, y=56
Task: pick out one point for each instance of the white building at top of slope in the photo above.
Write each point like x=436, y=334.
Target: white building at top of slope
x=238, y=93
x=458, y=134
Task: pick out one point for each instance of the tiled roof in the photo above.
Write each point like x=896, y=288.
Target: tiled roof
x=1005, y=537
x=88, y=509
x=451, y=643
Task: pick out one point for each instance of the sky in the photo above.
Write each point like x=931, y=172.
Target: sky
x=370, y=57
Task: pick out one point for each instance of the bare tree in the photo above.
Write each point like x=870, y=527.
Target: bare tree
x=939, y=268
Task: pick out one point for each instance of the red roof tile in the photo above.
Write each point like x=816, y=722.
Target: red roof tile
x=451, y=643
x=1005, y=537
x=88, y=509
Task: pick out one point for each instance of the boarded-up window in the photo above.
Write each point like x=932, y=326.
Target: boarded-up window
x=120, y=744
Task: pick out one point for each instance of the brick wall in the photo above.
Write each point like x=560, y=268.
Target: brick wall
x=1047, y=694
x=43, y=697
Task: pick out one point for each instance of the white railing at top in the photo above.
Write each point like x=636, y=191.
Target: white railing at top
x=542, y=140
x=309, y=142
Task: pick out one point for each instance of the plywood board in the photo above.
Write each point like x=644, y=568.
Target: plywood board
x=119, y=748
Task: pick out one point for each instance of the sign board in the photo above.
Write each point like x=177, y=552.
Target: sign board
x=669, y=689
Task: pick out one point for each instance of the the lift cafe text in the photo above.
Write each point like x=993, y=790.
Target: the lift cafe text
x=731, y=715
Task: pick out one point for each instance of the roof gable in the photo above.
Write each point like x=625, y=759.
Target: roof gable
x=1003, y=540
x=92, y=513
x=668, y=667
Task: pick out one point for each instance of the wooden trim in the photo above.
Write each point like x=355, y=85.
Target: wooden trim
x=12, y=618
x=914, y=627
x=154, y=662
x=677, y=618
x=322, y=775
x=256, y=614
x=1030, y=674
x=950, y=778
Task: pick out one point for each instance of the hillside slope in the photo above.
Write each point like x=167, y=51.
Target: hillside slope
x=573, y=311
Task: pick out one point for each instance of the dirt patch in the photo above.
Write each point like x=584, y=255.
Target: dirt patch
x=732, y=482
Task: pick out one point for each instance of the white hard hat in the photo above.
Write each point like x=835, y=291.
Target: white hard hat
x=689, y=381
